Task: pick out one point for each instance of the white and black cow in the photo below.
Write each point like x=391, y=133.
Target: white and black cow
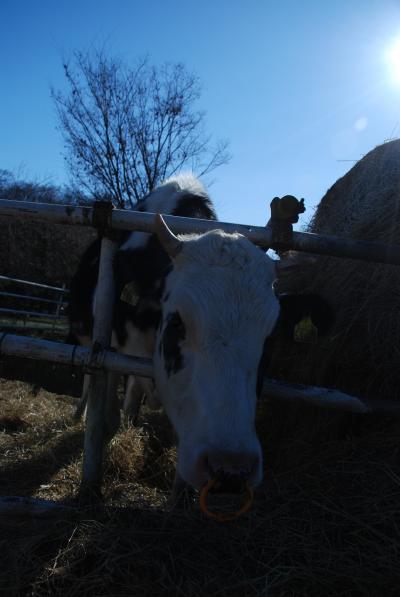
x=205, y=311
x=140, y=269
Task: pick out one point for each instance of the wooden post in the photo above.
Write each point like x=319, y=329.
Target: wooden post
x=97, y=394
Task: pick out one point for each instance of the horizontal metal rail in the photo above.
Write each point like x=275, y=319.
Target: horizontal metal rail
x=30, y=298
x=69, y=354
x=36, y=284
x=34, y=314
x=34, y=348
x=144, y=222
x=28, y=325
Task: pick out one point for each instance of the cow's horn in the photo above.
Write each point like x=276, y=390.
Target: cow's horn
x=167, y=238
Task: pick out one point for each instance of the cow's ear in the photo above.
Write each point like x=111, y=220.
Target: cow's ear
x=295, y=307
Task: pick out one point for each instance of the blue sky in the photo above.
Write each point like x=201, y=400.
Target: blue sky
x=300, y=88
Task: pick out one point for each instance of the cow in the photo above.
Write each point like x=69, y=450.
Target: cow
x=140, y=268
x=205, y=310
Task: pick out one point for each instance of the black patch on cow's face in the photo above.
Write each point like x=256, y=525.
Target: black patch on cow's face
x=173, y=335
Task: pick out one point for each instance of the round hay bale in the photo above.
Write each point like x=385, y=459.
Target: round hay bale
x=361, y=354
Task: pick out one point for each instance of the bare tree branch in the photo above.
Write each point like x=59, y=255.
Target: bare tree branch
x=126, y=129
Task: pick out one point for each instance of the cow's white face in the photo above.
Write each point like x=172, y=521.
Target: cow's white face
x=218, y=309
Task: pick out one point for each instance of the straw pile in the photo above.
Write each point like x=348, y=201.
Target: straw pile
x=361, y=355
x=324, y=523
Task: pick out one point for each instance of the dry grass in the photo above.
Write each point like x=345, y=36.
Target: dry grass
x=326, y=521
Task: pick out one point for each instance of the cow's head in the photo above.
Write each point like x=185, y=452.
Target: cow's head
x=218, y=309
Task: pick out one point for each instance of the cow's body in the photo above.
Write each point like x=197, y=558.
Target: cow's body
x=204, y=309
x=140, y=268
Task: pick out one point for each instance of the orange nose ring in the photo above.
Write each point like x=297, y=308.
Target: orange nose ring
x=224, y=516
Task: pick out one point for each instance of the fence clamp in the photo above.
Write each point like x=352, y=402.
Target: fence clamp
x=285, y=212
x=101, y=219
x=95, y=360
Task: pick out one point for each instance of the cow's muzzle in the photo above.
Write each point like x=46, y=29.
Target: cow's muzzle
x=228, y=483
x=231, y=471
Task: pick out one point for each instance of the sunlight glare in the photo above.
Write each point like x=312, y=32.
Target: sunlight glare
x=393, y=60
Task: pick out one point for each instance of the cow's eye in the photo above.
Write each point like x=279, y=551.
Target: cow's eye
x=173, y=335
x=175, y=321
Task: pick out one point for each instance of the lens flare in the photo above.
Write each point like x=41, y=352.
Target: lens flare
x=393, y=60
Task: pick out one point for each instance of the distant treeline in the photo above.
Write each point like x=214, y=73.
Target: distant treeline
x=16, y=188
x=38, y=251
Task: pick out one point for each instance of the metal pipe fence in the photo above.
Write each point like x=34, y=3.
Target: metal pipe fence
x=99, y=360
x=35, y=314
x=27, y=297
x=264, y=237
x=13, y=316
x=29, y=283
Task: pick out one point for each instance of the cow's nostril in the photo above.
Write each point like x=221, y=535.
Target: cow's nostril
x=208, y=467
x=232, y=464
x=228, y=483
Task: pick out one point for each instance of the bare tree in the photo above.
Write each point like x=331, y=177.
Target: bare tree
x=126, y=129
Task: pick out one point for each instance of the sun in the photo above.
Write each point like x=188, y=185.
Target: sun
x=393, y=60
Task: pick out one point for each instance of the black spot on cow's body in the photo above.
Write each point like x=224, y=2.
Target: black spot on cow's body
x=147, y=318
x=147, y=266
x=82, y=288
x=293, y=307
x=194, y=206
x=122, y=313
x=174, y=333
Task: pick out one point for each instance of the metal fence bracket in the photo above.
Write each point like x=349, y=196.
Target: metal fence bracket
x=285, y=212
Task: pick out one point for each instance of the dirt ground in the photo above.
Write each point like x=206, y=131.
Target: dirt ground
x=325, y=522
